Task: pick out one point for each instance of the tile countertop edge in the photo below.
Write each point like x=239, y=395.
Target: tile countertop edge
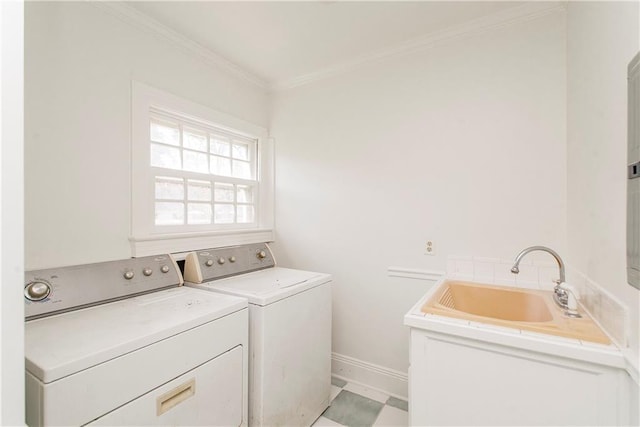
x=632, y=366
x=571, y=349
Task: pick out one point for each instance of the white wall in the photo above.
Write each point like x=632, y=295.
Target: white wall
x=603, y=37
x=463, y=143
x=80, y=61
x=11, y=214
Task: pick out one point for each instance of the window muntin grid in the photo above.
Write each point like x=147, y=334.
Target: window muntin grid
x=192, y=163
x=185, y=201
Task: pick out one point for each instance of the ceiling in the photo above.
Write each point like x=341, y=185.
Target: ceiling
x=281, y=41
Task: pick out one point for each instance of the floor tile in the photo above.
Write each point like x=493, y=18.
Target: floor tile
x=390, y=416
x=367, y=392
x=334, y=392
x=398, y=403
x=350, y=409
x=338, y=382
x=324, y=422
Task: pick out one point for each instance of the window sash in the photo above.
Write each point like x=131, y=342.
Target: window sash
x=177, y=160
x=213, y=146
x=184, y=199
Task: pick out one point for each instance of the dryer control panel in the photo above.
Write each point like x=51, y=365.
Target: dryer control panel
x=56, y=290
x=210, y=264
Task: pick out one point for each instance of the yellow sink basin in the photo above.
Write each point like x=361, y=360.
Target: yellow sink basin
x=497, y=303
x=526, y=309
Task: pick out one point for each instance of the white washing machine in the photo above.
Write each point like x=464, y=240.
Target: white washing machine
x=289, y=330
x=122, y=343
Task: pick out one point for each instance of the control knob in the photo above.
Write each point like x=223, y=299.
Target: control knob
x=164, y=268
x=147, y=271
x=209, y=263
x=221, y=260
x=232, y=259
x=37, y=290
x=129, y=274
x=261, y=254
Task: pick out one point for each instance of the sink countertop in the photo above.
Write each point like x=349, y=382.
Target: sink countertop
x=609, y=355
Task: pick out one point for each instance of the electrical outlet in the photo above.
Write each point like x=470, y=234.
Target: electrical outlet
x=429, y=248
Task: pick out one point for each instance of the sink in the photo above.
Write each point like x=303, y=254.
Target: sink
x=497, y=303
x=524, y=309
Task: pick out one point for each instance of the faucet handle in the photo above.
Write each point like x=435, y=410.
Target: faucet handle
x=571, y=302
x=570, y=289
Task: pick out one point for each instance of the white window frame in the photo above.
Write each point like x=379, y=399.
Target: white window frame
x=147, y=238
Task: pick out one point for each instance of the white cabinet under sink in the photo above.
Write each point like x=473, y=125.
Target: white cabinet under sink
x=456, y=380
x=468, y=372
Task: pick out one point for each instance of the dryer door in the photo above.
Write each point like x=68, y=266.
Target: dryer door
x=210, y=394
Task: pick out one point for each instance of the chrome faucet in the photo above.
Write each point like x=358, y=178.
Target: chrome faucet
x=565, y=296
x=516, y=270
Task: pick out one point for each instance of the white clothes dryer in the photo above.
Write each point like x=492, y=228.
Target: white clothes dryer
x=121, y=343
x=289, y=330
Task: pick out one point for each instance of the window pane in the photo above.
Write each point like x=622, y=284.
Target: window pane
x=169, y=188
x=220, y=165
x=169, y=213
x=199, y=213
x=220, y=146
x=165, y=133
x=194, y=161
x=195, y=141
x=245, y=194
x=245, y=214
x=240, y=151
x=242, y=169
x=223, y=192
x=223, y=214
x=199, y=190
x=163, y=156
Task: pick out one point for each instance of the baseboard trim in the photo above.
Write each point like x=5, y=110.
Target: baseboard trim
x=389, y=381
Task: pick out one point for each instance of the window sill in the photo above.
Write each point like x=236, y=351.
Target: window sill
x=185, y=242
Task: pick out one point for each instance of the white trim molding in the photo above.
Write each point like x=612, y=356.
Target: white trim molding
x=142, y=21
x=12, y=374
x=511, y=16
x=186, y=242
x=389, y=381
x=147, y=238
x=515, y=15
x=412, y=273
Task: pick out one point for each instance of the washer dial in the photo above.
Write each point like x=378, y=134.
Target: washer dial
x=37, y=290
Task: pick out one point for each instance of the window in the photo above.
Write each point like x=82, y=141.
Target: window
x=202, y=175
x=200, y=178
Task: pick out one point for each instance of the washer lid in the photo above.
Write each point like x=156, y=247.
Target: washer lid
x=266, y=286
x=64, y=344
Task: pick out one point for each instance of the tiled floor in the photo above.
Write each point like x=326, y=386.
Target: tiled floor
x=354, y=405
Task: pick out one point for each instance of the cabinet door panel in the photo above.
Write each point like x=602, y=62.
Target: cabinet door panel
x=458, y=384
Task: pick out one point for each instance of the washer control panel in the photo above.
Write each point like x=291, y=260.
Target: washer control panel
x=54, y=290
x=210, y=264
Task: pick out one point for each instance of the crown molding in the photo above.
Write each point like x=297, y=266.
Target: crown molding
x=526, y=12
x=144, y=22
